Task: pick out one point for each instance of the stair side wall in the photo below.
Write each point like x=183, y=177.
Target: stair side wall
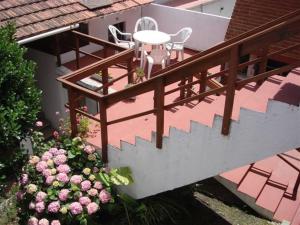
x=204, y=152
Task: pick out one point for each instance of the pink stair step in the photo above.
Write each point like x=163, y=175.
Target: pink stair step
x=268, y=164
x=270, y=197
x=296, y=219
x=286, y=210
x=236, y=175
x=252, y=184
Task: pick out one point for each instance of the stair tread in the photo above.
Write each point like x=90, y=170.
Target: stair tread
x=270, y=197
x=296, y=219
x=252, y=184
x=286, y=209
x=235, y=175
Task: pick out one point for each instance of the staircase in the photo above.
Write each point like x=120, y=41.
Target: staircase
x=194, y=149
x=270, y=186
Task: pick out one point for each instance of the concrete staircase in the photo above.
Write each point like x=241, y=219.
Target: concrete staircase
x=269, y=186
x=193, y=147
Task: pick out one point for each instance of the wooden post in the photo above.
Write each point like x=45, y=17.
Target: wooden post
x=159, y=105
x=57, y=49
x=182, y=91
x=77, y=50
x=130, y=71
x=203, y=82
x=104, y=131
x=189, y=89
x=233, y=69
x=73, y=104
x=105, y=73
x=263, y=64
x=224, y=76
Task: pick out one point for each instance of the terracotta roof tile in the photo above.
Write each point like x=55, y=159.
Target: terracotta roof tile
x=249, y=14
x=36, y=16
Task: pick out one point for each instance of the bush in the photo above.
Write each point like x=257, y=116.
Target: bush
x=68, y=184
x=19, y=100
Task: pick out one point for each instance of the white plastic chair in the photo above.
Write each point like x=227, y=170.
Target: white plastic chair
x=145, y=23
x=156, y=57
x=178, y=40
x=122, y=43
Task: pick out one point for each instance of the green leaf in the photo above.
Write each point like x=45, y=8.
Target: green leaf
x=121, y=176
x=104, y=178
x=71, y=155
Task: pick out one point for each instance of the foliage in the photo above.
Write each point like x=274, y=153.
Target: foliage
x=82, y=125
x=68, y=183
x=154, y=210
x=8, y=208
x=19, y=103
x=19, y=97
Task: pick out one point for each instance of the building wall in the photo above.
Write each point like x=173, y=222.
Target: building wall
x=217, y=7
x=208, y=30
x=54, y=96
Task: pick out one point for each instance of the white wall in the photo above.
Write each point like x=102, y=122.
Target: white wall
x=54, y=96
x=203, y=152
x=208, y=30
x=217, y=7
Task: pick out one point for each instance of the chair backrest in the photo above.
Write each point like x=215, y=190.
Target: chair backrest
x=183, y=34
x=113, y=30
x=145, y=23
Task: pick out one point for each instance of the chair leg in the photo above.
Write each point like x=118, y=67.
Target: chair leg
x=182, y=54
x=150, y=65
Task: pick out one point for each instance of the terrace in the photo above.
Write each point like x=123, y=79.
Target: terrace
x=168, y=97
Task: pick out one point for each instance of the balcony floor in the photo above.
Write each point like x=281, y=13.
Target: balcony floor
x=178, y=116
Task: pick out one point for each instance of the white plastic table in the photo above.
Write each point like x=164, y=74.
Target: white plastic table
x=151, y=37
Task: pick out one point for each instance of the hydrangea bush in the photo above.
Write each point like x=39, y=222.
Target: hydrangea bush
x=67, y=184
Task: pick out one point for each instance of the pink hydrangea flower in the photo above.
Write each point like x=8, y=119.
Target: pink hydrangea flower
x=50, y=179
x=40, y=166
x=76, y=179
x=104, y=196
x=33, y=221
x=64, y=168
x=40, y=196
x=92, y=208
x=93, y=192
x=60, y=159
x=47, y=172
x=75, y=208
x=54, y=207
x=85, y=185
x=46, y=156
x=39, y=123
x=53, y=151
x=61, y=152
x=63, y=194
x=62, y=177
x=89, y=149
x=98, y=185
x=31, y=205
x=20, y=195
x=44, y=222
x=55, y=134
x=85, y=201
x=55, y=222
x=24, y=179
x=40, y=207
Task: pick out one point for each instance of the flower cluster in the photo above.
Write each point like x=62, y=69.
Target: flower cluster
x=63, y=183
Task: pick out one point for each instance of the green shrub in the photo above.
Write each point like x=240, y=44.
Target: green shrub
x=19, y=101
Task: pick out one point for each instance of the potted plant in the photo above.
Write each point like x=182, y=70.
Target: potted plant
x=140, y=74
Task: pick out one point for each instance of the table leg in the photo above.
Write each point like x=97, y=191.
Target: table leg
x=142, y=55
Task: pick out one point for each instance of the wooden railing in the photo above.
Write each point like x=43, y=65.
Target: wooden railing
x=227, y=54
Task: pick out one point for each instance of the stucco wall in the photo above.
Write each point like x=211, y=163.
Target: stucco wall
x=208, y=30
x=54, y=96
x=189, y=157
